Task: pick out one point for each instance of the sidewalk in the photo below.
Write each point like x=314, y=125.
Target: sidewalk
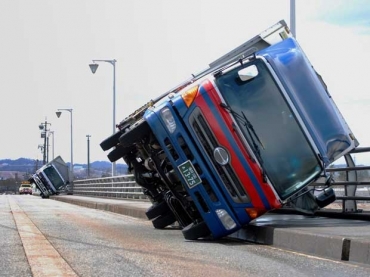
x=338, y=239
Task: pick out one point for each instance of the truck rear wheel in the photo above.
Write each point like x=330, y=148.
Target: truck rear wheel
x=111, y=141
x=118, y=152
x=157, y=210
x=138, y=132
x=196, y=231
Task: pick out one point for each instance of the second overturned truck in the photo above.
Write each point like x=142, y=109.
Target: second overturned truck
x=245, y=136
x=52, y=178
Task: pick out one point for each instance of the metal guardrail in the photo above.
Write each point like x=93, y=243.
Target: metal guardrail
x=349, y=193
x=123, y=187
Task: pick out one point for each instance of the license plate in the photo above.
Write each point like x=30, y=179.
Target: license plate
x=189, y=173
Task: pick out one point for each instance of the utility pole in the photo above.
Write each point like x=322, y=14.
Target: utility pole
x=44, y=128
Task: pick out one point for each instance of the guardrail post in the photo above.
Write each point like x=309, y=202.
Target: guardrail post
x=350, y=190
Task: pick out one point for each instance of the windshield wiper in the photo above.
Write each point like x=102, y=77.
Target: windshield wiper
x=252, y=134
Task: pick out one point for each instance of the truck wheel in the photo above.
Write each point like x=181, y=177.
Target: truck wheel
x=195, y=231
x=118, y=153
x=157, y=210
x=138, y=132
x=163, y=221
x=111, y=141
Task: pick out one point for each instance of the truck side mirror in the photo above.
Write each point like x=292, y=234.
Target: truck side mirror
x=326, y=197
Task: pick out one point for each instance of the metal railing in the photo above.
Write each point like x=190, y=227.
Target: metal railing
x=352, y=192
x=349, y=193
x=123, y=186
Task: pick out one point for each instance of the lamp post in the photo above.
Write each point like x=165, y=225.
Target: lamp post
x=292, y=17
x=52, y=133
x=94, y=67
x=44, y=128
x=88, y=155
x=58, y=113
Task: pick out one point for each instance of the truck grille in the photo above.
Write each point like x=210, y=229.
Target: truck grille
x=209, y=143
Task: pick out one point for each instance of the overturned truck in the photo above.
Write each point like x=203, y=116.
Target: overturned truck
x=52, y=178
x=245, y=136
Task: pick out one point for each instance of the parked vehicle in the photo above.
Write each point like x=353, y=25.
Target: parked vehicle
x=51, y=178
x=25, y=188
x=245, y=136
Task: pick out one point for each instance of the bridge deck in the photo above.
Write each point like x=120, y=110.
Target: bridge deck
x=339, y=239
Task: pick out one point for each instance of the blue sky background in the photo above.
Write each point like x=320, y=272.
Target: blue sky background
x=46, y=46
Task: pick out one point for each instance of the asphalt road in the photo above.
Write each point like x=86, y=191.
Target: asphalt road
x=44, y=237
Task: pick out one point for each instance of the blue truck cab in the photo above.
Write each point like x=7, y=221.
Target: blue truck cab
x=241, y=138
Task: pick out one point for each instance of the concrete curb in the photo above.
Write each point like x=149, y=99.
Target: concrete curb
x=334, y=247
x=360, y=251
x=313, y=244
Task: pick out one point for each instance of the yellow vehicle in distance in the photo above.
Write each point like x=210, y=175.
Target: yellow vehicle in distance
x=25, y=188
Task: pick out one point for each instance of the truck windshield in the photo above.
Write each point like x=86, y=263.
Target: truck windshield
x=53, y=176
x=284, y=151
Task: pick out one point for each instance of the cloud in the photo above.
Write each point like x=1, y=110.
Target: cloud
x=354, y=14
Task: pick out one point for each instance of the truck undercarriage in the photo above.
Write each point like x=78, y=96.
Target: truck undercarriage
x=145, y=158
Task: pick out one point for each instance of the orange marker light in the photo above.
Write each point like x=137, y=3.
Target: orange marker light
x=255, y=212
x=189, y=95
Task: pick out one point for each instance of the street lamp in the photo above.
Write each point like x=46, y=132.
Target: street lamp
x=94, y=67
x=58, y=113
x=52, y=133
x=292, y=17
x=88, y=155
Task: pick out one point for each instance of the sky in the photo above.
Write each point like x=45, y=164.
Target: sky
x=47, y=45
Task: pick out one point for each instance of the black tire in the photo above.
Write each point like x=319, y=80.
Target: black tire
x=196, y=231
x=115, y=155
x=118, y=152
x=111, y=141
x=139, y=131
x=157, y=210
x=163, y=221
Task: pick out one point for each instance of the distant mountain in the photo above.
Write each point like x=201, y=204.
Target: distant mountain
x=30, y=165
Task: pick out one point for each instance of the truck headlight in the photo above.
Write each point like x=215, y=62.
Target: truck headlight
x=225, y=219
x=168, y=119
